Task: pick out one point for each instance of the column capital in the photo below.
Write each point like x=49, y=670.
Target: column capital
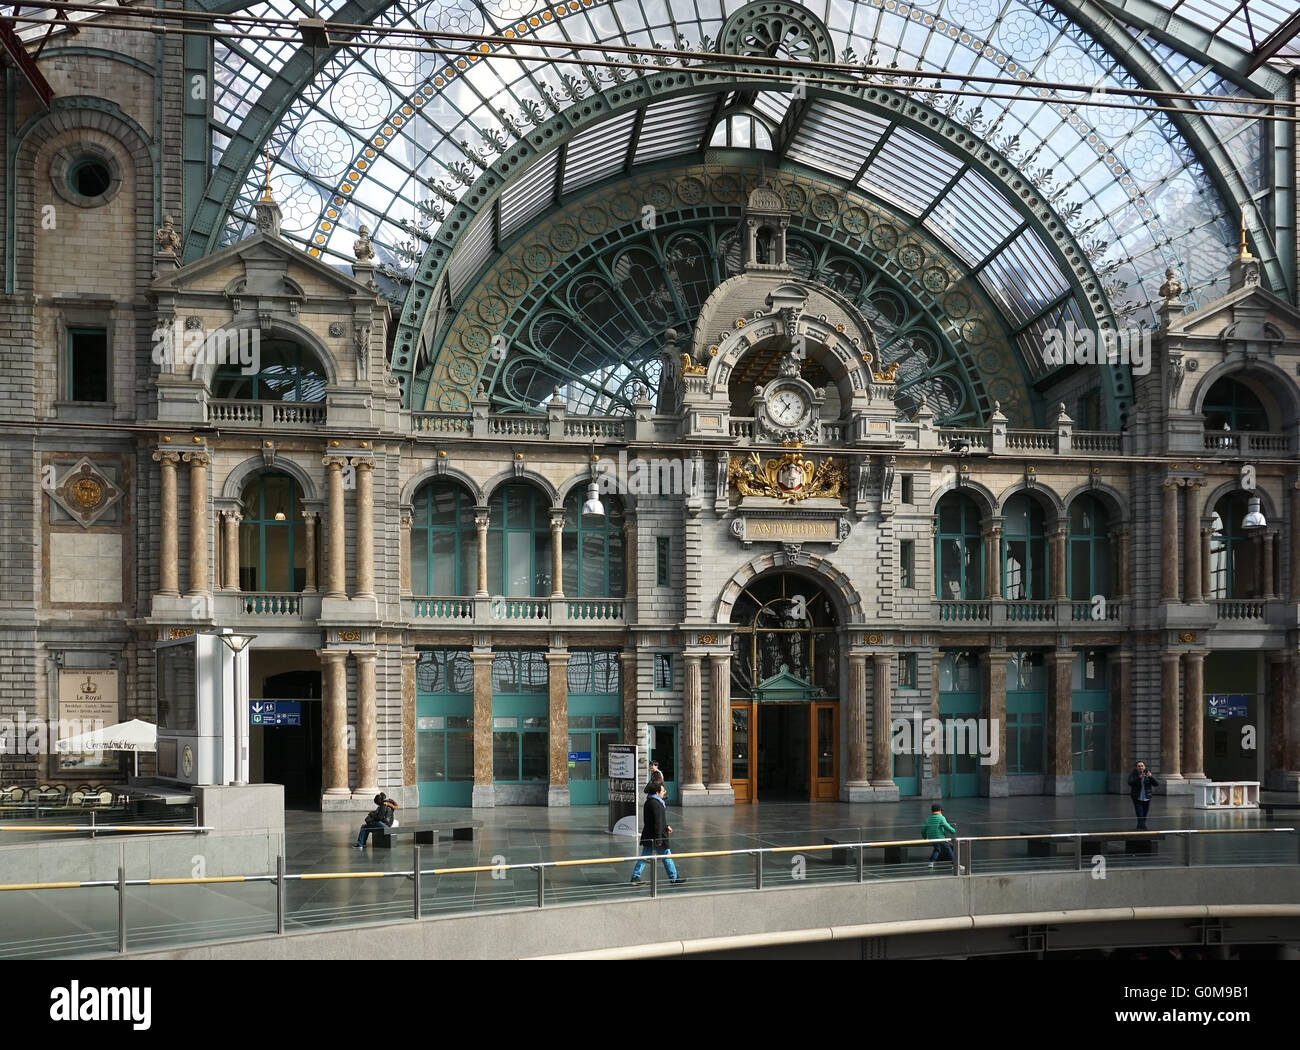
x=166, y=455
x=366, y=655
x=310, y=516
x=557, y=656
x=1171, y=483
x=1193, y=483
x=334, y=461
x=406, y=520
x=332, y=655
x=481, y=519
x=362, y=462
x=557, y=518
x=196, y=458
x=481, y=658
x=233, y=516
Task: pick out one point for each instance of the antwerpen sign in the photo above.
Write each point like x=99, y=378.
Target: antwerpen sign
x=829, y=528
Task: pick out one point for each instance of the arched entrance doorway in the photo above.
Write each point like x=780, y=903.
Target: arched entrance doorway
x=785, y=692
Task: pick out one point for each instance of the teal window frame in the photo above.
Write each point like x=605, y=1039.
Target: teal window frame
x=1231, y=401
x=1028, y=583
x=75, y=364
x=969, y=547
x=1229, y=544
x=288, y=371
x=506, y=527
x=594, y=548
x=907, y=668
x=1090, y=710
x=907, y=564
x=663, y=671
x=520, y=717
x=1088, y=539
x=444, y=696
x=663, y=561
x=1026, y=713
x=430, y=531
x=258, y=525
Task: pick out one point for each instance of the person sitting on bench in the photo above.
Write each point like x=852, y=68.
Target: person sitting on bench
x=380, y=817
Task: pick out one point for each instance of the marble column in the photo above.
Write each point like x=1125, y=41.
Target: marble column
x=335, y=563
x=1193, y=716
x=1122, y=537
x=310, y=518
x=1267, y=590
x=1207, y=588
x=484, y=793
x=1169, y=544
x=882, y=761
x=630, y=727
x=993, y=560
x=630, y=555
x=557, y=666
x=1056, y=544
x=1295, y=542
x=856, y=722
x=409, y=661
x=334, y=724
x=168, y=553
x=365, y=528
x=481, y=529
x=1060, y=696
x=230, y=520
x=692, y=725
x=557, y=554
x=720, y=723
x=993, y=705
x=367, y=728
x=198, y=462
x=404, y=570
x=1192, y=544
x=1122, y=758
x=1170, y=733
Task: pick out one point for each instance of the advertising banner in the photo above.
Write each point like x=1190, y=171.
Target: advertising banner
x=623, y=762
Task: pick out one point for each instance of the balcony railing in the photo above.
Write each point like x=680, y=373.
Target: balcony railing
x=500, y=610
x=1031, y=440
x=1108, y=611
x=267, y=413
x=444, y=608
x=969, y=612
x=1247, y=442
x=272, y=604
x=441, y=423
x=1243, y=610
x=604, y=429
x=1030, y=612
x=1096, y=441
x=518, y=426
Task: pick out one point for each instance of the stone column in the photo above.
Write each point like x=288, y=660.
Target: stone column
x=309, y=518
x=168, y=556
x=1193, y=716
x=1170, y=734
x=630, y=555
x=993, y=559
x=720, y=724
x=1169, y=544
x=484, y=793
x=1121, y=538
x=367, y=728
x=335, y=564
x=481, y=528
x=198, y=462
x=882, y=767
x=1056, y=544
x=855, y=720
x=557, y=555
x=630, y=726
x=1290, y=770
x=404, y=571
x=937, y=764
x=334, y=724
x=557, y=666
x=1295, y=542
x=230, y=521
x=409, y=660
x=692, y=726
x=1122, y=758
x=365, y=468
x=1207, y=588
x=993, y=705
x=1192, y=544
x=1267, y=590
x=1060, y=765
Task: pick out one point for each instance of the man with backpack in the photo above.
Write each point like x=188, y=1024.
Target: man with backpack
x=380, y=817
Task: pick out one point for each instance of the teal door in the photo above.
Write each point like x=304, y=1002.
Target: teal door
x=663, y=749
x=959, y=699
x=589, y=740
x=1089, y=723
x=907, y=773
x=444, y=727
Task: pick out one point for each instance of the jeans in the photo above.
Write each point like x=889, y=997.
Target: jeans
x=1140, y=808
x=367, y=828
x=942, y=848
x=649, y=851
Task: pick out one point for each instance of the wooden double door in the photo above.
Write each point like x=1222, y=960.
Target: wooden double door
x=785, y=752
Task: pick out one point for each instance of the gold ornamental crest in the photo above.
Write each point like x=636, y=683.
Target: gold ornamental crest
x=790, y=477
x=86, y=492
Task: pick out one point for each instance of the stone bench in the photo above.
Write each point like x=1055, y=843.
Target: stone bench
x=426, y=832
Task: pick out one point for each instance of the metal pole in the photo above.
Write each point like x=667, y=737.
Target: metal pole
x=1078, y=853
x=541, y=886
x=758, y=870
x=417, y=880
x=279, y=893
x=956, y=856
x=862, y=873
x=92, y=823
x=121, y=899
x=1187, y=850
x=654, y=872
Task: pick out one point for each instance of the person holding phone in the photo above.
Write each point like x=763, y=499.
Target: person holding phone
x=1140, y=785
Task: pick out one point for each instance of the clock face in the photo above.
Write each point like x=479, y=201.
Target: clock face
x=786, y=407
x=187, y=760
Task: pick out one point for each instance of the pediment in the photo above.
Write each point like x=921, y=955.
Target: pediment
x=784, y=685
x=1246, y=314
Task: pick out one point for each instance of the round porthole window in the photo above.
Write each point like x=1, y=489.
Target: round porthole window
x=89, y=177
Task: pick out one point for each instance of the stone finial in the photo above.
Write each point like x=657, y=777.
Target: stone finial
x=169, y=241
x=1172, y=288
x=362, y=247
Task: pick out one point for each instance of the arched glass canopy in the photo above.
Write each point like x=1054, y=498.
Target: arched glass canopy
x=440, y=158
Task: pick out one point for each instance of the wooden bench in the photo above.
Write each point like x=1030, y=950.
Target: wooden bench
x=426, y=832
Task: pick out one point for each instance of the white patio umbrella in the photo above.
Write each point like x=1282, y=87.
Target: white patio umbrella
x=134, y=735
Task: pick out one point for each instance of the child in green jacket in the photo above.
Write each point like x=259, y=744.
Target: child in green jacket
x=936, y=826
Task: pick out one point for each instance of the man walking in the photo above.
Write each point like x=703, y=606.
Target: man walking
x=1140, y=785
x=655, y=832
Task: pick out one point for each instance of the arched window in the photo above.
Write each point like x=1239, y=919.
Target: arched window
x=444, y=545
x=593, y=548
x=1024, y=551
x=784, y=622
x=1088, y=562
x=1233, y=555
x=1231, y=405
x=272, y=536
x=958, y=549
x=285, y=371
x=519, y=542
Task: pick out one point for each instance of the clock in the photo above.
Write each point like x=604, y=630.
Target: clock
x=787, y=406
x=187, y=760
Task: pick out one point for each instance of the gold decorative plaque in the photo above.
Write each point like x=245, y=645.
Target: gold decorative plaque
x=349, y=636
x=790, y=477
x=708, y=639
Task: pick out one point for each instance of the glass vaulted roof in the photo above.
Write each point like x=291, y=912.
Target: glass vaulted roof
x=394, y=139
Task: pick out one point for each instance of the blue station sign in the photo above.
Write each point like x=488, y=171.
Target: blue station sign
x=274, y=712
